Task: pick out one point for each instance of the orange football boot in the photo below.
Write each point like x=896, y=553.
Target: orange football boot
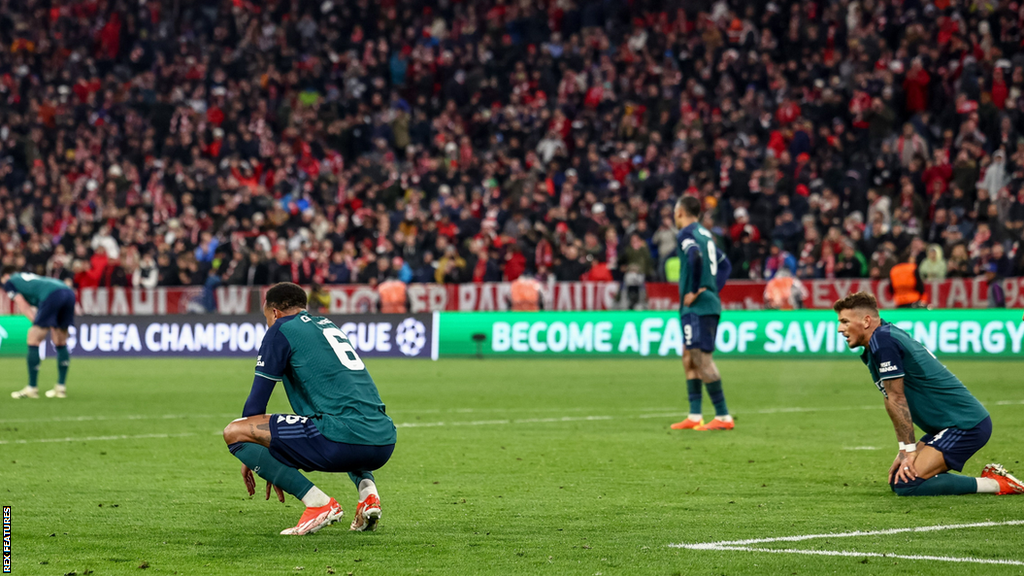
x=1008, y=483
x=313, y=519
x=717, y=424
x=687, y=424
x=367, y=514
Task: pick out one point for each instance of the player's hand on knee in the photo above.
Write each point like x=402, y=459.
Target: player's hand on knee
x=894, y=468
x=280, y=493
x=250, y=482
x=907, y=471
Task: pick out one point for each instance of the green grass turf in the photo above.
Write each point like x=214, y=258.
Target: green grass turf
x=504, y=485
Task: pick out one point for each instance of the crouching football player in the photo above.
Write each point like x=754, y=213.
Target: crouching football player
x=919, y=390
x=50, y=305
x=339, y=426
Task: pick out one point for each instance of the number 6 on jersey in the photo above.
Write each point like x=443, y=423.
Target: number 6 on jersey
x=343, y=348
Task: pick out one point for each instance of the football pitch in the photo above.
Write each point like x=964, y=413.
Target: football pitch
x=504, y=467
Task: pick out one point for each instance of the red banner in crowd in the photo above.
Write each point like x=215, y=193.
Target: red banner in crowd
x=482, y=297
x=749, y=295
x=737, y=295
x=495, y=296
x=156, y=301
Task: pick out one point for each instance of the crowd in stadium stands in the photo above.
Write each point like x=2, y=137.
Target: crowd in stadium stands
x=166, y=143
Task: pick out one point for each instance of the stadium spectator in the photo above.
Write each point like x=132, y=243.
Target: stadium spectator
x=933, y=267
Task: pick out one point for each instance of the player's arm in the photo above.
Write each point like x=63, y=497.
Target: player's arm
x=903, y=468
x=21, y=306
x=275, y=353
x=695, y=263
x=724, y=270
x=259, y=396
x=270, y=367
x=898, y=409
x=889, y=355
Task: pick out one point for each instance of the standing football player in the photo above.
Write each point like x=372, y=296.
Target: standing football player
x=919, y=390
x=50, y=305
x=339, y=424
x=700, y=308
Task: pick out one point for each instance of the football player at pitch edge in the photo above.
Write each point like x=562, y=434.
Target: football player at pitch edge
x=919, y=390
x=50, y=305
x=339, y=424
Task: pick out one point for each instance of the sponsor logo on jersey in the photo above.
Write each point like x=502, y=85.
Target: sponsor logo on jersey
x=259, y=361
x=887, y=367
x=881, y=388
x=687, y=244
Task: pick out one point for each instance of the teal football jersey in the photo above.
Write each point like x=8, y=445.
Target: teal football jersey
x=698, y=268
x=936, y=398
x=325, y=380
x=33, y=288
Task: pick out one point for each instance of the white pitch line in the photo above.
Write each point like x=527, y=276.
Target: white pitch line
x=91, y=438
x=508, y=421
x=861, y=448
x=853, y=534
x=968, y=559
x=744, y=545
x=93, y=418
x=507, y=410
x=829, y=409
x=565, y=419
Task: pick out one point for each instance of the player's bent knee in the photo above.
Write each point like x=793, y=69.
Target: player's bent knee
x=907, y=488
x=235, y=432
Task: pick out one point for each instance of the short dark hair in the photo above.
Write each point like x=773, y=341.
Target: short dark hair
x=285, y=296
x=690, y=204
x=8, y=269
x=860, y=300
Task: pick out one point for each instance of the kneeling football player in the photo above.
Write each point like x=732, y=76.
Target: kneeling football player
x=340, y=423
x=919, y=390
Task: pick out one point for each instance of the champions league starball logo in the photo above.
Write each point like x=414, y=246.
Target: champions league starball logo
x=411, y=336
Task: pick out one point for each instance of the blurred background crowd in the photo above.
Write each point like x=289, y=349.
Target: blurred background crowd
x=175, y=142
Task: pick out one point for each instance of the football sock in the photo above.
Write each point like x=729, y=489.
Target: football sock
x=717, y=397
x=694, y=391
x=63, y=361
x=358, y=477
x=944, y=484
x=367, y=487
x=315, y=498
x=259, y=460
x=987, y=486
x=33, y=366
